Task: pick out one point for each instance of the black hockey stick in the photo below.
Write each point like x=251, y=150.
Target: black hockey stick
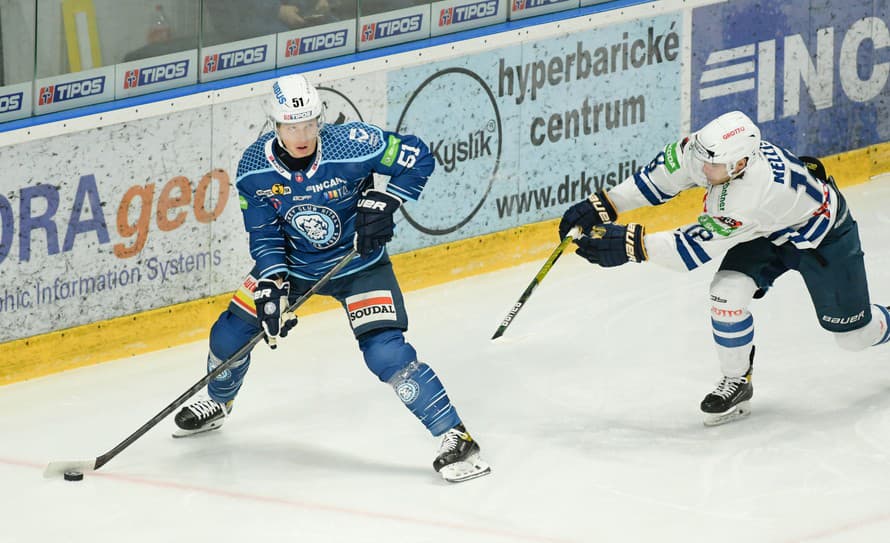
x=554, y=256
x=54, y=469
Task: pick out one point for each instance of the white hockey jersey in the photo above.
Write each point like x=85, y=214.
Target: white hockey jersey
x=776, y=198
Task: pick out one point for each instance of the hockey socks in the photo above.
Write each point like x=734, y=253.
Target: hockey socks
x=419, y=388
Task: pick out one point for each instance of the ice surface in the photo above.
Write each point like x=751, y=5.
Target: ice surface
x=587, y=410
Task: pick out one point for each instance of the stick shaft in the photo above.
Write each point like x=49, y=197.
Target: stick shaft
x=243, y=351
x=551, y=260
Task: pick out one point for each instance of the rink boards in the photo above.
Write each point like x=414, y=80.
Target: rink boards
x=128, y=240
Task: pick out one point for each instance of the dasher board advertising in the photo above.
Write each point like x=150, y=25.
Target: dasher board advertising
x=237, y=58
x=393, y=27
x=456, y=15
x=72, y=90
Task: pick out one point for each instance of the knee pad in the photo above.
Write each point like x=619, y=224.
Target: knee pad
x=874, y=333
x=386, y=352
x=228, y=334
x=731, y=293
x=394, y=361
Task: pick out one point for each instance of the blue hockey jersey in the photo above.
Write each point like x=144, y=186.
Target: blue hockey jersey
x=303, y=222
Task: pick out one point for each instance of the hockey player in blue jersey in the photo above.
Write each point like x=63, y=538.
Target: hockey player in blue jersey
x=769, y=212
x=308, y=198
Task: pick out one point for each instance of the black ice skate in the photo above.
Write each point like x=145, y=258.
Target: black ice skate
x=458, y=458
x=731, y=399
x=201, y=416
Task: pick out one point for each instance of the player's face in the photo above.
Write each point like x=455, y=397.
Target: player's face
x=299, y=139
x=716, y=174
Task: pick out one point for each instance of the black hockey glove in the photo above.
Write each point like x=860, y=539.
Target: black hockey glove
x=597, y=209
x=613, y=244
x=374, y=223
x=270, y=299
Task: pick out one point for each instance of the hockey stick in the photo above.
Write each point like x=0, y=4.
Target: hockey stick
x=554, y=256
x=54, y=469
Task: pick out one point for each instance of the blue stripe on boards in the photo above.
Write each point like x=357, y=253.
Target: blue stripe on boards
x=338, y=61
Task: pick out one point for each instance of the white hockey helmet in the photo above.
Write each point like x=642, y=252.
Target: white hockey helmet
x=726, y=140
x=294, y=100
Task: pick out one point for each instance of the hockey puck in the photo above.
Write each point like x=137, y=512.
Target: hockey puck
x=73, y=476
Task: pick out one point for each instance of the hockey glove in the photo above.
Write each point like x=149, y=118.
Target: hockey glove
x=613, y=245
x=597, y=209
x=374, y=223
x=270, y=299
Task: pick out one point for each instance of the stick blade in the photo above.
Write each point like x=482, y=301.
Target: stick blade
x=57, y=469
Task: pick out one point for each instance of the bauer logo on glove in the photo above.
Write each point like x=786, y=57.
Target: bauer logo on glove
x=613, y=244
x=374, y=223
x=271, y=301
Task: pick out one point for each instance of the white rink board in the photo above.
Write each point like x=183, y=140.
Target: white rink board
x=77, y=263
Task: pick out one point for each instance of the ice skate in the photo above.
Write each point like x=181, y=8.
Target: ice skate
x=201, y=416
x=729, y=401
x=458, y=458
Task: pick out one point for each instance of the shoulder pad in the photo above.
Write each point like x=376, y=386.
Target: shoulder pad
x=254, y=157
x=351, y=141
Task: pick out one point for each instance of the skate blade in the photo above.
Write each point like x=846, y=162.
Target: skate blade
x=740, y=411
x=179, y=432
x=471, y=468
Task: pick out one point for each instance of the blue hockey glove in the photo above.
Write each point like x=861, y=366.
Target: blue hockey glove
x=613, y=244
x=270, y=299
x=597, y=209
x=374, y=223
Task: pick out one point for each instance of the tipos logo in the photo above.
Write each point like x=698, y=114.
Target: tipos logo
x=467, y=148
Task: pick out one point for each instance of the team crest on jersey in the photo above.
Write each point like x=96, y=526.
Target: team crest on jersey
x=320, y=225
x=722, y=226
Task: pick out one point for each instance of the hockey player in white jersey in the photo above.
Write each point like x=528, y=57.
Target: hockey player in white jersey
x=769, y=212
x=308, y=198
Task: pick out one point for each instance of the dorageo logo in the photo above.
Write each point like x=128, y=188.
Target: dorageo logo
x=467, y=148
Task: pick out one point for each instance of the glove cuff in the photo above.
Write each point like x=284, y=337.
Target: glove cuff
x=633, y=243
x=383, y=196
x=603, y=206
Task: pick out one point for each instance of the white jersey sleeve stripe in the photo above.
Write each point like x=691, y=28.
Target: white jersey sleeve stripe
x=692, y=253
x=649, y=189
x=402, y=193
